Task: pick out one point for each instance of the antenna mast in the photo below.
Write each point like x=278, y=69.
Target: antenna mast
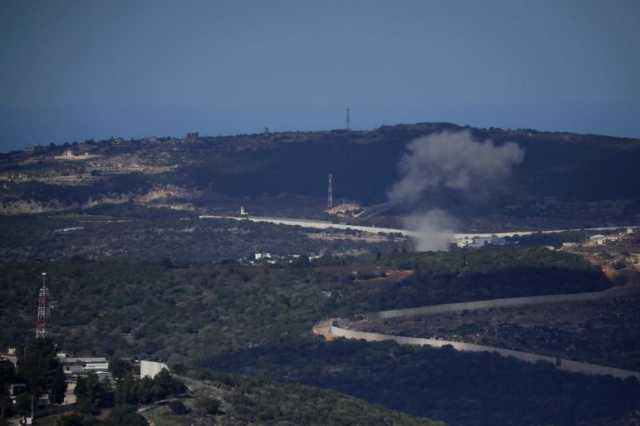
x=348, y=118
x=330, y=192
x=43, y=309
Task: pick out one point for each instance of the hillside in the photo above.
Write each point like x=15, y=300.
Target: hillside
x=245, y=401
x=256, y=320
x=565, y=179
x=135, y=272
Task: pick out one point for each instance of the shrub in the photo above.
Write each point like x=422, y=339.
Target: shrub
x=177, y=407
x=208, y=405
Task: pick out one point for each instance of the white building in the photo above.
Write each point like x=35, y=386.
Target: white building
x=259, y=256
x=81, y=366
x=151, y=368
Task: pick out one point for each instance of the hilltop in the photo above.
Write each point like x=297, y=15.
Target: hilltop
x=565, y=179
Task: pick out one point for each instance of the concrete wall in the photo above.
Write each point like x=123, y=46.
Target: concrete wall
x=151, y=368
x=567, y=365
x=508, y=302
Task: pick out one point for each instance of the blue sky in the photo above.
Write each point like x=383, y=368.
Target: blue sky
x=95, y=69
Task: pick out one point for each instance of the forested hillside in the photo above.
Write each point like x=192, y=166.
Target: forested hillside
x=257, y=320
x=564, y=178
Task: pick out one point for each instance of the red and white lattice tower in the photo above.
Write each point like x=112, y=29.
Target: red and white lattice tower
x=43, y=308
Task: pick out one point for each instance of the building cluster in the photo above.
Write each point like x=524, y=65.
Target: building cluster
x=479, y=242
x=272, y=259
x=601, y=239
x=74, y=367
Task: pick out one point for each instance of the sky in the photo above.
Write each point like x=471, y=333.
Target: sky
x=73, y=70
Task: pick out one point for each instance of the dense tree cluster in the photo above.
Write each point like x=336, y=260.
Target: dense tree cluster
x=121, y=415
x=181, y=313
x=231, y=400
x=464, y=389
x=256, y=319
x=149, y=234
x=94, y=395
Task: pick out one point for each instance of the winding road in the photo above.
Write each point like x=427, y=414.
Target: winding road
x=336, y=328
x=333, y=328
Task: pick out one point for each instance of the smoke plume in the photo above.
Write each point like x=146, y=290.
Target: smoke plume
x=433, y=230
x=452, y=161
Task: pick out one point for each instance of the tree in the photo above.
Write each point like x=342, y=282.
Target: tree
x=92, y=395
x=7, y=371
x=71, y=420
x=165, y=384
x=7, y=374
x=208, y=405
x=58, y=387
x=23, y=404
x=145, y=390
x=126, y=391
x=37, y=364
x=6, y=406
x=177, y=407
x=125, y=415
x=119, y=368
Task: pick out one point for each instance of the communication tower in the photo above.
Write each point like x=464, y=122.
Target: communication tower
x=348, y=118
x=330, y=192
x=43, y=309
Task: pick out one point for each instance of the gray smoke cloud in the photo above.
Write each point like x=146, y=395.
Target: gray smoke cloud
x=453, y=161
x=433, y=229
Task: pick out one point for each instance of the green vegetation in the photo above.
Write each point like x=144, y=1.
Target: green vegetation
x=132, y=391
x=443, y=277
x=565, y=179
x=155, y=283
x=246, y=401
x=7, y=376
x=38, y=369
x=180, y=314
x=601, y=332
x=148, y=234
x=120, y=416
x=94, y=395
x=467, y=389
x=257, y=320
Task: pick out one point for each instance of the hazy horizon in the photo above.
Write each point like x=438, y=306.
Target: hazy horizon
x=78, y=70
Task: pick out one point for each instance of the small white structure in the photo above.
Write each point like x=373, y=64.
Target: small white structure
x=259, y=256
x=151, y=369
x=243, y=212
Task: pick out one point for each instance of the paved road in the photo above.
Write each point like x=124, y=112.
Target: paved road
x=339, y=328
x=562, y=364
x=319, y=224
